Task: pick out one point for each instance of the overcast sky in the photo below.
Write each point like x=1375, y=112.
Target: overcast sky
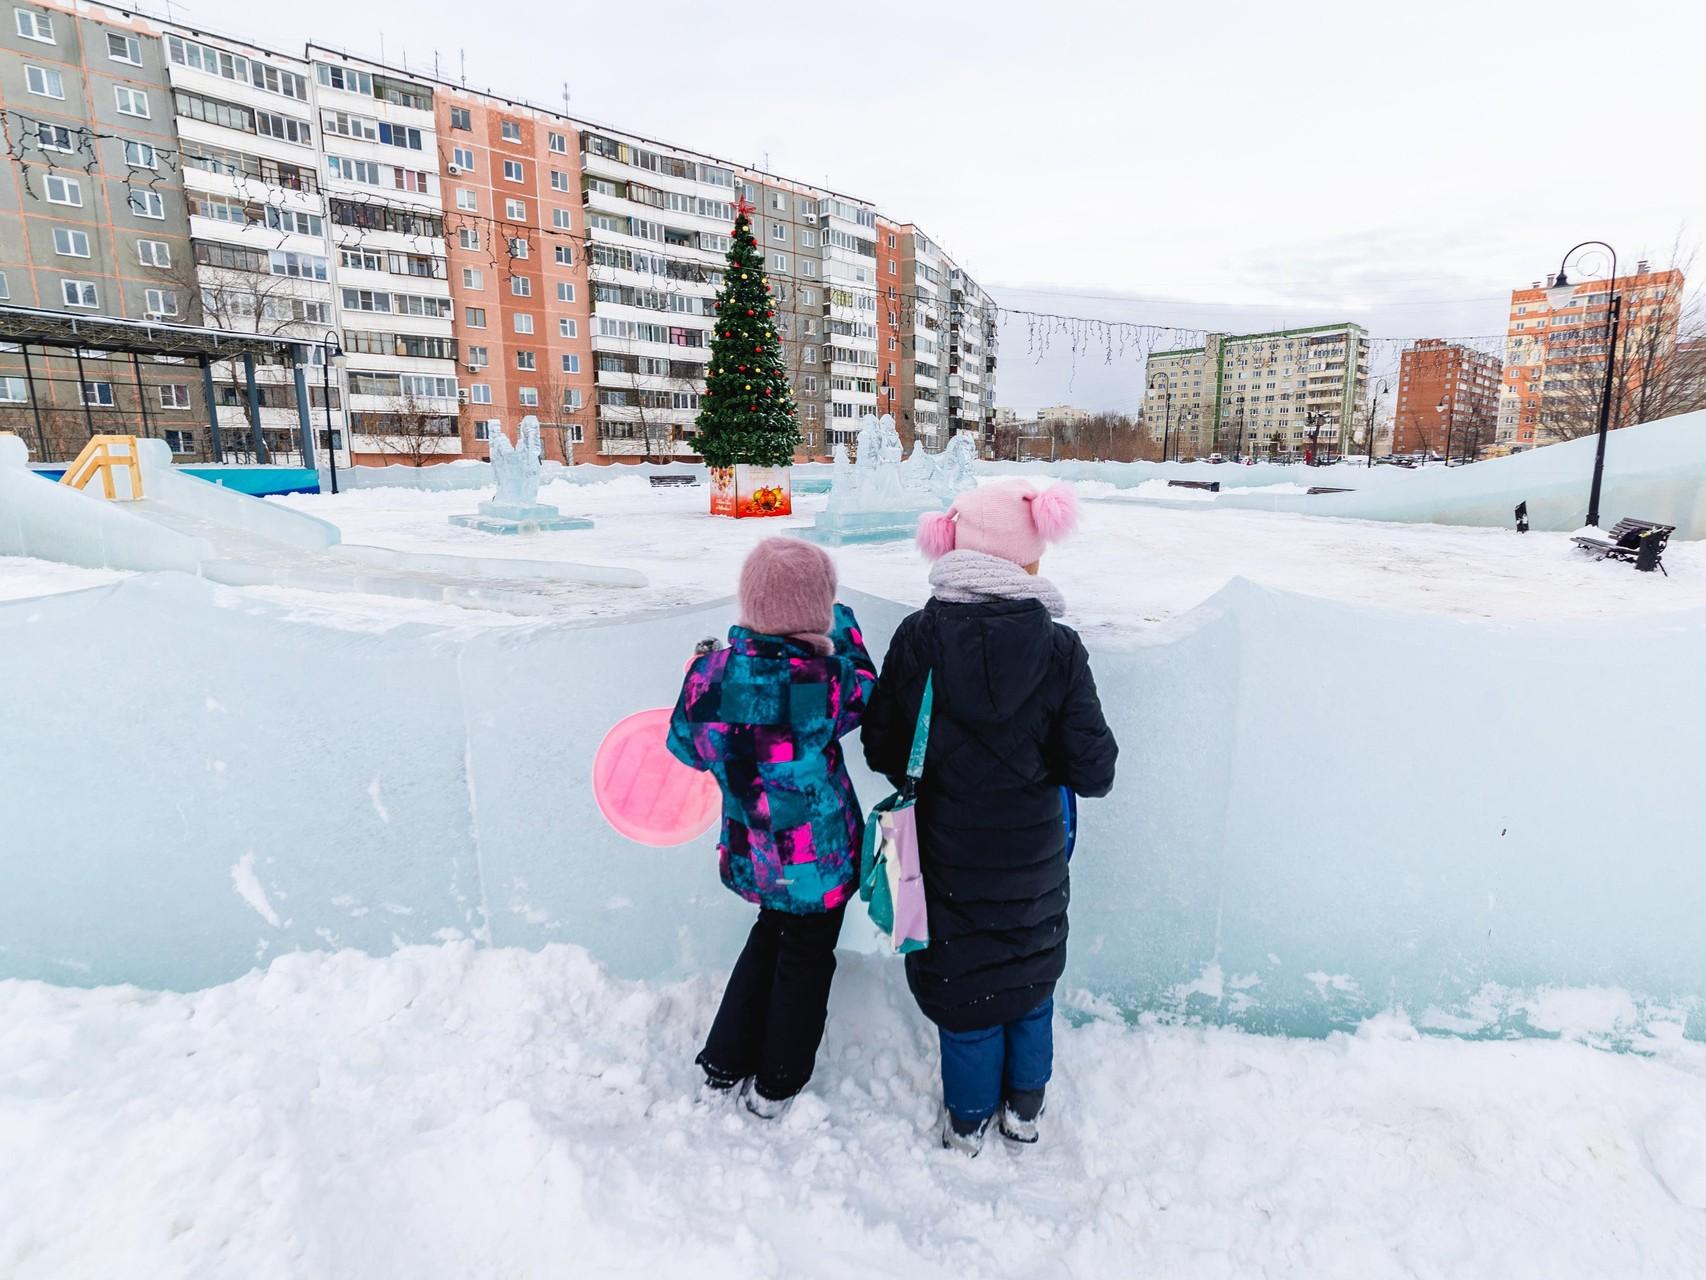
x=1235, y=166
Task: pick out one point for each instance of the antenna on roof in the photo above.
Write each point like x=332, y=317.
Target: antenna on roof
x=435, y=64
x=565, y=96
x=462, y=62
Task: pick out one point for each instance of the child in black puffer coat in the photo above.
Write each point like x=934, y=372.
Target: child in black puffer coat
x=1015, y=718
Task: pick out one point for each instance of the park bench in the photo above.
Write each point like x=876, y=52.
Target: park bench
x=672, y=482
x=1213, y=486
x=1641, y=542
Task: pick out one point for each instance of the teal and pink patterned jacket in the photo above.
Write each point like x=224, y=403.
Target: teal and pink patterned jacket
x=766, y=716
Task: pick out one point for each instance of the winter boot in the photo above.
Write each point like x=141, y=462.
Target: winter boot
x=1019, y=1115
x=762, y=1107
x=718, y=1085
x=957, y=1137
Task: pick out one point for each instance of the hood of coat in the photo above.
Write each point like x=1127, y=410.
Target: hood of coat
x=990, y=656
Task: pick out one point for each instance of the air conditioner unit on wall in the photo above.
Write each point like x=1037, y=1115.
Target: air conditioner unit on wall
x=454, y=170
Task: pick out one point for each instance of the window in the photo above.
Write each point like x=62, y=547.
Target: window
x=44, y=82
x=35, y=26
x=518, y=247
x=160, y=302
x=527, y=397
x=808, y=355
x=154, y=253
x=516, y=210
x=572, y=403
x=183, y=441
x=511, y=130
x=122, y=48
x=524, y=324
x=150, y=204
x=559, y=144
x=473, y=278
x=521, y=286
x=568, y=329
x=559, y=180
x=778, y=262
x=808, y=267
x=175, y=395
x=526, y=360
x=808, y=239
x=131, y=102
x=560, y=220
x=139, y=155
x=478, y=357
x=13, y=391
x=53, y=137
x=565, y=255
x=513, y=171
x=467, y=200
x=476, y=317
x=69, y=243
x=468, y=238
x=461, y=118
x=463, y=158
x=571, y=364
x=95, y=394
x=565, y=292
x=79, y=293
x=480, y=393
x=779, y=231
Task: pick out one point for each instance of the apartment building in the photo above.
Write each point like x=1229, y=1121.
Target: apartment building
x=92, y=220
x=1448, y=399
x=469, y=258
x=789, y=228
x=1555, y=357
x=260, y=253
x=1064, y=414
x=1286, y=391
x=515, y=242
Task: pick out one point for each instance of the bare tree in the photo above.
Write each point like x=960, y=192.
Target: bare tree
x=238, y=300
x=414, y=429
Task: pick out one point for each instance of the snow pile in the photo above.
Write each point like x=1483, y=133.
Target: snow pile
x=454, y=1112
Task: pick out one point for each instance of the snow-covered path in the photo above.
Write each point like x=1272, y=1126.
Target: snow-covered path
x=447, y=1112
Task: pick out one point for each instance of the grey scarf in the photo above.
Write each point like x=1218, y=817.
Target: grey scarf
x=971, y=577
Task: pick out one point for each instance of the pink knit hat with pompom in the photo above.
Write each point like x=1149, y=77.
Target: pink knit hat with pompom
x=1007, y=519
x=787, y=588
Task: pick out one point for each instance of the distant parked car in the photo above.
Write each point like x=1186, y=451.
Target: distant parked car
x=1217, y=457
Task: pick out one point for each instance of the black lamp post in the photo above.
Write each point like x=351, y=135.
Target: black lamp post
x=1560, y=293
x=330, y=350
x=1374, y=408
x=1167, y=423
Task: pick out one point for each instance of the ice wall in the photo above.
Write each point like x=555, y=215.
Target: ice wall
x=1519, y=813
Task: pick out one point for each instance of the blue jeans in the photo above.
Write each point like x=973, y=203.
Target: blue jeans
x=980, y=1068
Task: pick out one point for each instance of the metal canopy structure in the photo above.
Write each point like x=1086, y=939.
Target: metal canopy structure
x=60, y=332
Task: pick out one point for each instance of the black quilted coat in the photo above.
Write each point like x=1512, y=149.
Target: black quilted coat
x=1015, y=718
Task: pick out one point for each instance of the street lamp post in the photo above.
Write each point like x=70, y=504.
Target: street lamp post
x=1447, y=407
x=1374, y=408
x=329, y=350
x=1559, y=294
x=1167, y=421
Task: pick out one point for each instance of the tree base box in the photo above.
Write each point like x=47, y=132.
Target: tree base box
x=745, y=490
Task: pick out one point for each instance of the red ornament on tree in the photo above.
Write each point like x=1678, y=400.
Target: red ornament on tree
x=749, y=311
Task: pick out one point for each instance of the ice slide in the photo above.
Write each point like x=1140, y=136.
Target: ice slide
x=180, y=522
x=1492, y=855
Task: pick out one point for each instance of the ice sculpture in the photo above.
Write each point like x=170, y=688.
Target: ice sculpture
x=516, y=508
x=879, y=497
x=1274, y=854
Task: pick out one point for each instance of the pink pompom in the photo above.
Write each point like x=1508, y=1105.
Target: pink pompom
x=935, y=534
x=1054, y=511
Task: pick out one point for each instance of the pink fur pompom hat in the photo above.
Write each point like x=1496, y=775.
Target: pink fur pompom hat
x=1008, y=519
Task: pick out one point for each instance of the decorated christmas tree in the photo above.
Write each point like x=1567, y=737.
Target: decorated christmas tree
x=747, y=411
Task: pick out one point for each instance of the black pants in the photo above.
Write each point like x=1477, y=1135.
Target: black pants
x=771, y=1019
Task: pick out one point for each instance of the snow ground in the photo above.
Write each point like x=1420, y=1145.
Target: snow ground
x=1132, y=567
x=449, y=1112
